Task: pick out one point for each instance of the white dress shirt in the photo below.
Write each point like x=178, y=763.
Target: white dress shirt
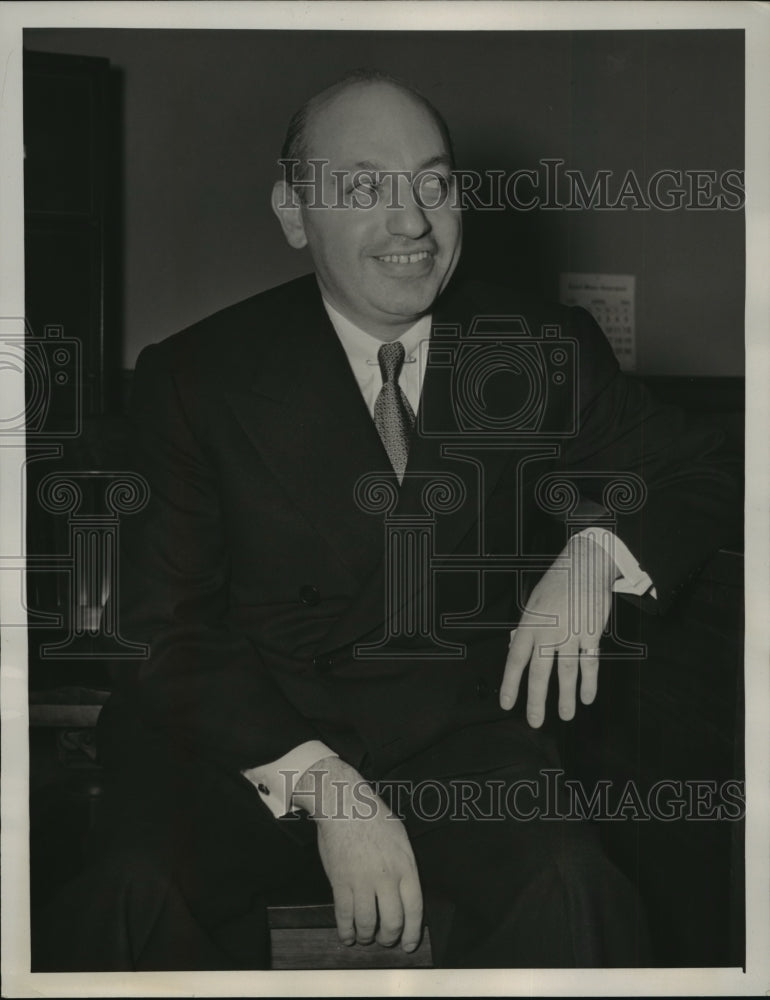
x=275, y=781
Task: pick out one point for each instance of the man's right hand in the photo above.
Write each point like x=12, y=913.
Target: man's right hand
x=366, y=855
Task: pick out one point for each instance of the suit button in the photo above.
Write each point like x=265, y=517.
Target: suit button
x=309, y=595
x=485, y=690
x=323, y=663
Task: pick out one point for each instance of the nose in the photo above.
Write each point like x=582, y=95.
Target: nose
x=406, y=218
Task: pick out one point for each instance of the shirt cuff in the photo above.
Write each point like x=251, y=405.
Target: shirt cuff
x=632, y=579
x=275, y=781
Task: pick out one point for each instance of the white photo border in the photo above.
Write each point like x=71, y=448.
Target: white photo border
x=754, y=19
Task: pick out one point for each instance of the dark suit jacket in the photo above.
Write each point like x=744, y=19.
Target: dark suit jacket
x=259, y=565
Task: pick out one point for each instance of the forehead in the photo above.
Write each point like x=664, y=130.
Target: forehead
x=374, y=123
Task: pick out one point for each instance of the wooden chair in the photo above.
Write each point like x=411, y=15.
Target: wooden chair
x=305, y=937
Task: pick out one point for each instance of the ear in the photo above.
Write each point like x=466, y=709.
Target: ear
x=286, y=204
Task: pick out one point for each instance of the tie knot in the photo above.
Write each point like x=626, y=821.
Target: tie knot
x=391, y=359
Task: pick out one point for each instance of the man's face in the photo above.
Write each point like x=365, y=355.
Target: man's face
x=382, y=255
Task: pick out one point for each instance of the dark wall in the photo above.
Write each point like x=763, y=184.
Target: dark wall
x=205, y=113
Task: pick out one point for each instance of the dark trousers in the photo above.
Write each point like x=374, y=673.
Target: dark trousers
x=187, y=857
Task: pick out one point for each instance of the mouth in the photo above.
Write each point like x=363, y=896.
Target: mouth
x=405, y=258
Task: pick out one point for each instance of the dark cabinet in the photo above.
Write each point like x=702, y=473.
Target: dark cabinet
x=71, y=217
x=72, y=237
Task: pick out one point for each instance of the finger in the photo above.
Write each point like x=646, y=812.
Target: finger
x=567, y=672
x=343, y=914
x=589, y=674
x=539, y=673
x=391, y=914
x=519, y=653
x=411, y=899
x=365, y=915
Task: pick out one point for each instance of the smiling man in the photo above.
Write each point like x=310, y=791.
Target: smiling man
x=329, y=578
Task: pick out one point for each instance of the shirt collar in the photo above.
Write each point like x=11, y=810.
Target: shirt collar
x=362, y=347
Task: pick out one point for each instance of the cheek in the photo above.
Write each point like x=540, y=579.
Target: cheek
x=334, y=258
x=447, y=227
x=452, y=223
x=345, y=242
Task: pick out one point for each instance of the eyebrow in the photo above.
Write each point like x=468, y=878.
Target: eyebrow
x=440, y=160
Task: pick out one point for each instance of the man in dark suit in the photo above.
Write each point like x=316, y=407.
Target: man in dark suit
x=351, y=477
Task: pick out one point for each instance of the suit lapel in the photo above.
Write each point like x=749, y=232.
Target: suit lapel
x=304, y=412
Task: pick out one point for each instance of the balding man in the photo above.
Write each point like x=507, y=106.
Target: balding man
x=330, y=578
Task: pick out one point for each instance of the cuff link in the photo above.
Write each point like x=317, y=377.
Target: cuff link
x=309, y=595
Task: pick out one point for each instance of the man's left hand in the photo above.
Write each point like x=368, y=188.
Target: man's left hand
x=566, y=613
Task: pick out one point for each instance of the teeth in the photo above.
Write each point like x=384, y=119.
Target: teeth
x=404, y=258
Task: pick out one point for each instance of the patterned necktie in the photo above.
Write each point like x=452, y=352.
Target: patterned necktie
x=393, y=416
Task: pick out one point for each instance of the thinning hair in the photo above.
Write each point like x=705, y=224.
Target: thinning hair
x=295, y=145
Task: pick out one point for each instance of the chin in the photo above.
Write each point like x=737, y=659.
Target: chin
x=412, y=303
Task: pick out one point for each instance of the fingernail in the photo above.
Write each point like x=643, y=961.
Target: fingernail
x=409, y=947
x=534, y=719
x=506, y=701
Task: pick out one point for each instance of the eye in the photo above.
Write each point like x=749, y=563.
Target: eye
x=363, y=189
x=431, y=189
x=364, y=181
